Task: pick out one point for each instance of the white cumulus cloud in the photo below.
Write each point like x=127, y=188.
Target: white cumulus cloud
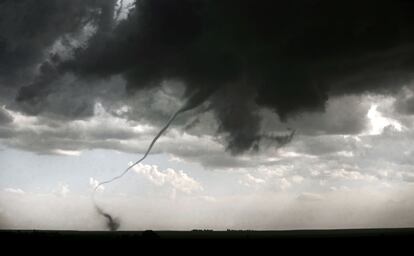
x=179, y=180
x=17, y=191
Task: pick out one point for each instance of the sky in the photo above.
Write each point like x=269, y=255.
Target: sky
x=297, y=115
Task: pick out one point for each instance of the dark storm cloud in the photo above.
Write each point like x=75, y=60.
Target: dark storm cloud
x=28, y=27
x=66, y=97
x=244, y=55
x=404, y=103
x=342, y=115
x=405, y=106
x=5, y=117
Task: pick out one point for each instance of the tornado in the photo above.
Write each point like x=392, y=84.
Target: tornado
x=112, y=223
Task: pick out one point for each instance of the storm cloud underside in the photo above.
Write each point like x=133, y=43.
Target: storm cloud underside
x=238, y=57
